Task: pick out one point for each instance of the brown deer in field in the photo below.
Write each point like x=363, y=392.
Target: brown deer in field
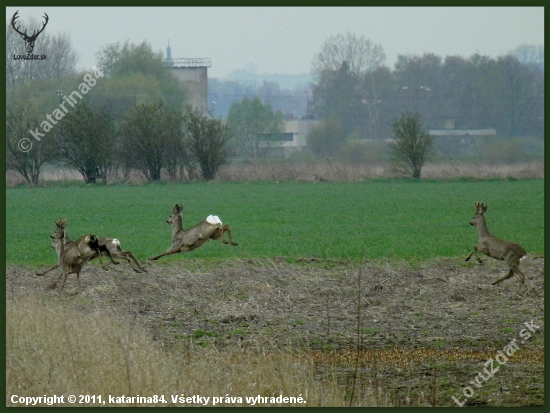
x=111, y=245
x=74, y=255
x=193, y=238
x=494, y=247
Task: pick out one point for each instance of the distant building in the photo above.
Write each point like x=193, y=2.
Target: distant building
x=292, y=139
x=458, y=141
x=192, y=72
x=169, y=61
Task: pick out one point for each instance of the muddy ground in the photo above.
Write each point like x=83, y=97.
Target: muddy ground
x=445, y=315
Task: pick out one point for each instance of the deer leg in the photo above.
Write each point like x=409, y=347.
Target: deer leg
x=47, y=271
x=504, y=277
x=227, y=229
x=129, y=254
x=64, y=279
x=169, y=251
x=108, y=253
x=520, y=273
x=103, y=266
x=104, y=250
x=53, y=284
x=470, y=255
x=475, y=251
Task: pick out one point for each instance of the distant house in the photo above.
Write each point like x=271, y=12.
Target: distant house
x=459, y=141
x=292, y=139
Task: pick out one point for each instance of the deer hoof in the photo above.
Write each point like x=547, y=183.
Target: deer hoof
x=234, y=243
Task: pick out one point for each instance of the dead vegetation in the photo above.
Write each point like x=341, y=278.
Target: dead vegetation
x=425, y=331
x=318, y=171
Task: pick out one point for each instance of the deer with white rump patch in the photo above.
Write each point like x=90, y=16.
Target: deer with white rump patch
x=74, y=255
x=111, y=245
x=193, y=238
x=494, y=247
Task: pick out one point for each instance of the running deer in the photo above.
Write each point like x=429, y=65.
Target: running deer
x=495, y=247
x=73, y=256
x=111, y=245
x=193, y=238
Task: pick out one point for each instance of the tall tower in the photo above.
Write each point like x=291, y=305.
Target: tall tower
x=192, y=72
x=169, y=61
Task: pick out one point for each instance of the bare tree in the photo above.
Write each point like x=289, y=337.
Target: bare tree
x=86, y=140
x=150, y=133
x=208, y=142
x=23, y=153
x=361, y=55
x=530, y=54
x=412, y=145
x=60, y=59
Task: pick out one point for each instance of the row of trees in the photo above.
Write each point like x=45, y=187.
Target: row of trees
x=353, y=85
x=150, y=138
x=354, y=95
x=134, y=117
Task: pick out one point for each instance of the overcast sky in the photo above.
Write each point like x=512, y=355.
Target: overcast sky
x=284, y=40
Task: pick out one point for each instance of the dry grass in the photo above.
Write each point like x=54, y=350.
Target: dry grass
x=327, y=171
x=267, y=327
x=320, y=171
x=53, y=348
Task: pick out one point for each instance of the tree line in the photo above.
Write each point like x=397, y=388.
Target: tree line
x=354, y=86
x=134, y=117
x=137, y=118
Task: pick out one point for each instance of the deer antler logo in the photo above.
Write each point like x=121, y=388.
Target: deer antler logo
x=29, y=40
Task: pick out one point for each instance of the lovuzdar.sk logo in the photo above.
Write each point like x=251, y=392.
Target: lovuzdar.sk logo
x=29, y=40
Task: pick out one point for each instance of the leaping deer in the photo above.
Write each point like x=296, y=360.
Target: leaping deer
x=193, y=238
x=73, y=256
x=106, y=245
x=29, y=40
x=494, y=247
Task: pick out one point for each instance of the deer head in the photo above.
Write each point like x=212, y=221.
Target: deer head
x=176, y=211
x=479, y=215
x=29, y=40
x=59, y=233
x=62, y=223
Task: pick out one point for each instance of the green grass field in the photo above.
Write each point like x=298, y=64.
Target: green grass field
x=394, y=219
